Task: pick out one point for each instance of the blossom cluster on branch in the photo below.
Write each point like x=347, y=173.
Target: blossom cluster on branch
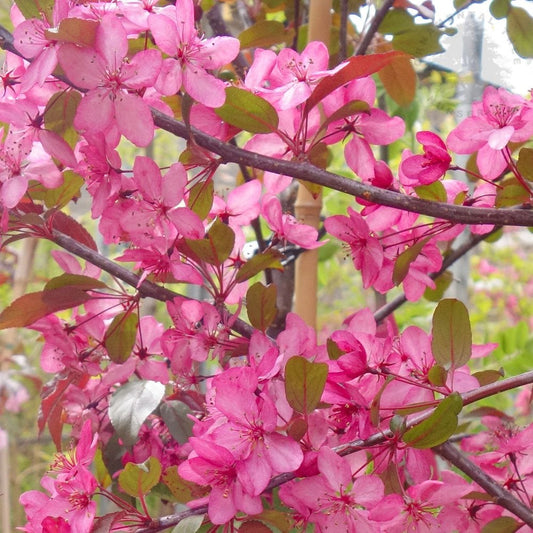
x=203, y=406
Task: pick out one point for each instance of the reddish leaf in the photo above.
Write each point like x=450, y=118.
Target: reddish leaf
x=357, y=67
x=72, y=228
x=74, y=30
x=31, y=307
x=399, y=79
x=261, y=305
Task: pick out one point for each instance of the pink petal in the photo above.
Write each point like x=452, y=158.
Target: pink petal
x=204, y=87
x=134, y=119
x=83, y=66
x=111, y=41
x=86, y=119
x=164, y=32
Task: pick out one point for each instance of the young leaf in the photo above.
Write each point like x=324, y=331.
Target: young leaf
x=75, y=281
x=423, y=40
x=36, y=9
x=519, y=29
x=261, y=305
x=74, y=30
x=216, y=246
x=190, y=524
x=35, y=305
x=200, y=198
x=399, y=80
x=356, y=67
x=404, y=260
x=120, y=336
x=438, y=427
x=259, y=262
x=525, y=163
x=175, y=416
x=71, y=227
x=451, y=341
x=304, y=383
x=184, y=491
x=139, y=479
x=59, y=115
x=248, y=111
x=131, y=404
x=264, y=34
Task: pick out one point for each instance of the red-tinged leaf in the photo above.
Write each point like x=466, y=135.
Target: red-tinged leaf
x=108, y=522
x=451, y=341
x=75, y=281
x=525, y=163
x=120, y=336
x=248, y=112
x=399, y=80
x=139, y=479
x=267, y=259
x=486, y=377
x=51, y=409
x=297, y=429
x=184, y=491
x=261, y=305
x=71, y=227
x=60, y=196
x=304, y=383
x=74, y=30
x=216, y=246
x=404, y=260
x=254, y=526
x=437, y=375
x=502, y=524
x=438, y=427
x=200, y=198
x=59, y=115
x=519, y=30
x=357, y=67
x=35, y=305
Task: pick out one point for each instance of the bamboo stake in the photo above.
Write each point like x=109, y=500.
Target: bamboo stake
x=307, y=209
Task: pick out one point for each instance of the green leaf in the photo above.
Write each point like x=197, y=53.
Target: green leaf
x=513, y=193
x=304, y=383
x=502, y=524
x=451, y=341
x=175, y=416
x=525, y=163
x=420, y=42
x=200, y=198
x=248, y=111
x=499, y=9
x=261, y=305
x=442, y=282
x=486, y=377
x=404, y=260
x=139, y=479
x=396, y=21
x=438, y=427
x=182, y=490
x=268, y=259
x=35, y=305
x=190, y=524
x=519, y=30
x=131, y=404
x=36, y=9
x=334, y=352
x=264, y=34
x=434, y=192
x=216, y=246
x=60, y=196
x=437, y=375
x=121, y=335
x=75, y=281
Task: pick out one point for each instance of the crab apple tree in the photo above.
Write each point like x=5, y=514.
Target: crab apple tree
x=162, y=376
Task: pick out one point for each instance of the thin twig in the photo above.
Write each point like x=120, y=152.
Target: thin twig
x=373, y=28
x=504, y=498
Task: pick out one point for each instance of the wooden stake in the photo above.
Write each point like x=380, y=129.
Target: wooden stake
x=307, y=209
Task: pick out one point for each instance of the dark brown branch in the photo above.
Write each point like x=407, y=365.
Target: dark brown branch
x=146, y=289
x=373, y=28
x=307, y=172
x=503, y=497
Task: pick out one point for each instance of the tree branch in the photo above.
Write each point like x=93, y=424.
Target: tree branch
x=146, y=289
x=305, y=171
x=373, y=28
x=503, y=497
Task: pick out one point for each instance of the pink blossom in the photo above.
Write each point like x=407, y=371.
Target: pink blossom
x=499, y=119
x=286, y=227
x=424, y=169
x=366, y=251
x=190, y=57
x=112, y=81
